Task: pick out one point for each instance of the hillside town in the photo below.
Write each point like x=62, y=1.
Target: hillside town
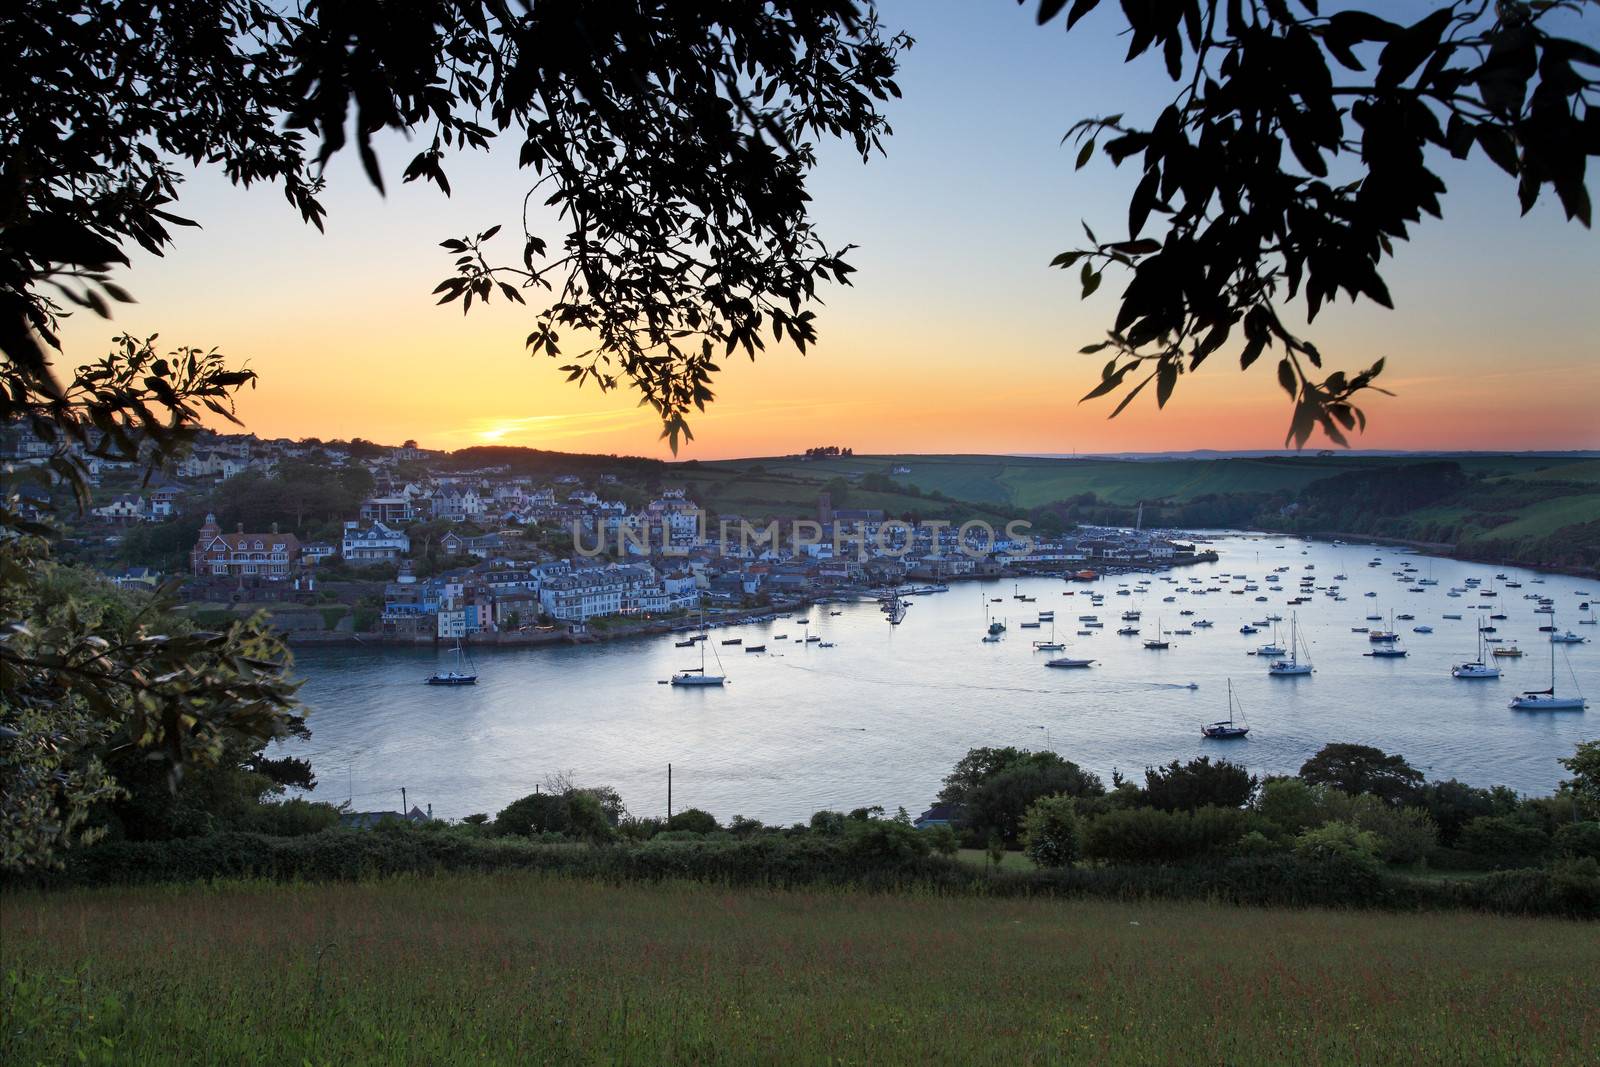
x=431, y=551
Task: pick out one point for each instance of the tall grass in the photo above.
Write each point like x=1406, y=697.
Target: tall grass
x=529, y=968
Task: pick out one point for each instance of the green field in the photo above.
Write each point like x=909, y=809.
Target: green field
x=529, y=969
x=1026, y=482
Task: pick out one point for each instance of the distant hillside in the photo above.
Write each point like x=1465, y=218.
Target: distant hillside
x=1031, y=482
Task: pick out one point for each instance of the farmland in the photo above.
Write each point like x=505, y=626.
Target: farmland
x=528, y=968
x=1028, y=481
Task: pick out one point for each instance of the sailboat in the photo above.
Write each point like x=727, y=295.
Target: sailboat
x=1477, y=668
x=697, y=676
x=1546, y=699
x=463, y=673
x=1159, y=641
x=1051, y=645
x=1226, y=729
x=1293, y=665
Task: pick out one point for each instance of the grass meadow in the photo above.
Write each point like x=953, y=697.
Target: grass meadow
x=530, y=969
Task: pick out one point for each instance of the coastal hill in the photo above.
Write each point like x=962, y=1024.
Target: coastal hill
x=1527, y=508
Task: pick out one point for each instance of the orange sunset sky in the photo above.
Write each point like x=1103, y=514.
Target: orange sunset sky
x=956, y=337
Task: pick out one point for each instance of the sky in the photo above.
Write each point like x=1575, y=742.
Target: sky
x=955, y=337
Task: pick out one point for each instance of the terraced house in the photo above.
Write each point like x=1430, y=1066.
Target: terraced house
x=630, y=589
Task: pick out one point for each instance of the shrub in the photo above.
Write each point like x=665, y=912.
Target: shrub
x=1197, y=784
x=1505, y=841
x=1337, y=839
x=587, y=818
x=292, y=818
x=695, y=821
x=827, y=822
x=1146, y=835
x=537, y=813
x=1050, y=834
x=1405, y=835
x=885, y=839
x=942, y=839
x=1579, y=840
x=1289, y=804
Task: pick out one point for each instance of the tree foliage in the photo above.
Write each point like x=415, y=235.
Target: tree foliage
x=992, y=788
x=103, y=690
x=1050, y=832
x=672, y=137
x=1198, y=783
x=1362, y=769
x=1300, y=147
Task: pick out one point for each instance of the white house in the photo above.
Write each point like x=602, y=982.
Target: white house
x=377, y=543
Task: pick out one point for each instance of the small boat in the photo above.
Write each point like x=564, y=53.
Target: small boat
x=1422, y=629
x=813, y=639
x=463, y=673
x=734, y=641
x=1069, y=662
x=835, y=613
x=1248, y=629
x=1204, y=624
x=683, y=644
x=825, y=644
x=780, y=637
x=1386, y=653
x=755, y=648
x=1508, y=652
x=1229, y=728
x=1456, y=617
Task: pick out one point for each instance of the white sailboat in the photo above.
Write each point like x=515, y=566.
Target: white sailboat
x=1477, y=668
x=1051, y=645
x=697, y=676
x=1293, y=665
x=1546, y=699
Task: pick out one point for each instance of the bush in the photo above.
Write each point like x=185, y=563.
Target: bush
x=1197, y=784
x=293, y=818
x=1405, y=835
x=537, y=813
x=942, y=839
x=1050, y=833
x=1146, y=835
x=1289, y=804
x=1333, y=879
x=1504, y=841
x=695, y=821
x=1337, y=839
x=1579, y=840
x=587, y=819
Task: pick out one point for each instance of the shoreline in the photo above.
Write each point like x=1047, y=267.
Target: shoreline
x=1442, y=549
x=538, y=639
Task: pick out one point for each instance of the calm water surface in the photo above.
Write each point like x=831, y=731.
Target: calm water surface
x=881, y=717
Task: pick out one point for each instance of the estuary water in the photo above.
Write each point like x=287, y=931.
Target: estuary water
x=880, y=717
